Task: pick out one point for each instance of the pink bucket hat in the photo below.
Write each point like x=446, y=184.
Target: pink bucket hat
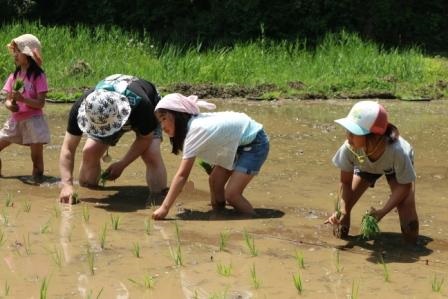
x=29, y=45
x=365, y=117
x=180, y=103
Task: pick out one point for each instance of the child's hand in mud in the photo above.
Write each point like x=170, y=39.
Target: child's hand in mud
x=160, y=213
x=67, y=195
x=335, y=218
x=114, y=171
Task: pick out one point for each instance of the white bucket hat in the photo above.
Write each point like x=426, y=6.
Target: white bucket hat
x=364, y=118
x=29, y=45
x=103, y=112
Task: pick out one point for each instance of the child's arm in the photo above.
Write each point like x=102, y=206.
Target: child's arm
x=66, y=165
x=176, y=186
x=34, y=103
x=399, y=193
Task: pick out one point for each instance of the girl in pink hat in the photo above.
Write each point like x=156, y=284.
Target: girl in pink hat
x=374, y=148
x=26, y=90
x=234, y=143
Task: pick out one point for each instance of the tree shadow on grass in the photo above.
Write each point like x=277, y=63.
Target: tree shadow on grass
x=390, y=247
x=125, y=199
x=227, y=214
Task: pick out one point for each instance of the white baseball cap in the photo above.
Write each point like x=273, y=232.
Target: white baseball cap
x=364, y=118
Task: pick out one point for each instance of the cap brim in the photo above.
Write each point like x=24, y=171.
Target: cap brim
x=351, y=126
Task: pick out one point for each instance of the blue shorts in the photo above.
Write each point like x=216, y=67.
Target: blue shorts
x=249, y=158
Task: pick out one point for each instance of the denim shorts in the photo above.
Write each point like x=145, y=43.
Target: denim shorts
x=113, y=139
x=249, y=158
x=371, y=178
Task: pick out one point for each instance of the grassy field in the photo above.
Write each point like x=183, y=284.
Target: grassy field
x=342, y=65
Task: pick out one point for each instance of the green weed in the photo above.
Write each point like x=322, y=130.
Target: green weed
x=26, y=206
x=103, y=235
x=386, y=274
x=136, y=249
x=44, y=288
x=86, y=214
x=148, y=226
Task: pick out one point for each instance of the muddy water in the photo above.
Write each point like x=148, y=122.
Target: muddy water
x=41, y=240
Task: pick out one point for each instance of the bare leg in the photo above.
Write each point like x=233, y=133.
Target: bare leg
x=234, y=192
x=217, y=181
x=407, y=213
x=155, y=168
x=90, y=168
x=37, y=156
x=3, y=144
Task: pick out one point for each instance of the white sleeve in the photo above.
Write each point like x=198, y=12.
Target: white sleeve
x=404, y=167
x=194, y=141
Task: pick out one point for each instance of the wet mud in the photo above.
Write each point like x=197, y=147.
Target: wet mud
x=75, y=251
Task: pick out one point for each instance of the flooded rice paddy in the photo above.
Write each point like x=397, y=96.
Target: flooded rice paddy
x=107, y=246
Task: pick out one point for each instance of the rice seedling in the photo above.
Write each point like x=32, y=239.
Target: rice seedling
x=27, y=244
x=386, y=274
x=75, y=198
x=57, y=257
x=115, y=220
x=6, y=289
x=298, y=282
x=224, y=270
x=250, y=243
x=56, y=211
x=44, y=288
x=436, y=284
x=103, y=235
x=5, y=217
x=176, y=225
x=355, y=290
x=90, y=294
x=176, y=254
x=18, y=84
x=148, y=226
x=9, y=202
x=223, y=239
x=90, y=261
x=147, y=283
x=256, y=282
x=369, y=226
x=103, y=178
x=339, y=268
x=2, y=237
x=86, y=214
x=26, y=206
x=136, y=249
x=300, y=259
x=46, y=227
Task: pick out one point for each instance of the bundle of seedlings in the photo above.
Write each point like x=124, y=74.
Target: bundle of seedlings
x=369, y=226
x=18, y=85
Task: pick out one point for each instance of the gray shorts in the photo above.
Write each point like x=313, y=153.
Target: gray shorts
x=113, y=139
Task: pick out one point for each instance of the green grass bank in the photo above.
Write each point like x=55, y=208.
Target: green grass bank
x=341, y=66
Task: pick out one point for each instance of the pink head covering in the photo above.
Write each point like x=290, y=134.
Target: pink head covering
x=180, y=103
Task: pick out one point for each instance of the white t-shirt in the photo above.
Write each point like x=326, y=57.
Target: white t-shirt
x=215, y=137
x=397, y=159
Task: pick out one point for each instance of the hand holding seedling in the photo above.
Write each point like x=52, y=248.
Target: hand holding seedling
x=68, y=195
x=114, y=171
x=369, y=225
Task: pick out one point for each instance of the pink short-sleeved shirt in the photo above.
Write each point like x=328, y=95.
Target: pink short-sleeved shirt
x=31, y=89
